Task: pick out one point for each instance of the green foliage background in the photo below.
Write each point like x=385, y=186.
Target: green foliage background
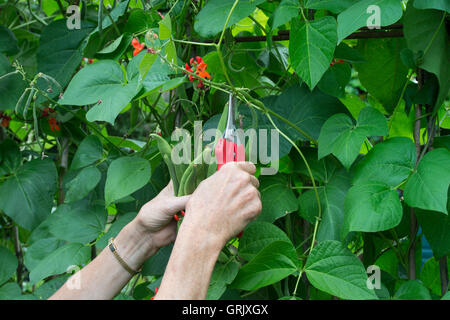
x=364, y=146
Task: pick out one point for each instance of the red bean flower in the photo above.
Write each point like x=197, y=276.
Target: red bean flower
x=137, y=46
x=197, y=66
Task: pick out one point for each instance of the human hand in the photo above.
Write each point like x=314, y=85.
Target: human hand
x=156, y=216
x=225, y=203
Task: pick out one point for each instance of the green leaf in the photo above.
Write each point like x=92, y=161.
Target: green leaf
x=436, y=228
x=39, y=250
x=357, y=16
x=342, y=138
x=126, y=175
x=156, y=265
x=60, y=53
x=89, y=151
x=112, y=46
x=389, y=162
x=443, y=5
x=384, y=74
x=8, y=266
x=307, y=110
x=274, y=263
x=211, y=19
x=412, y=290
x=103, y=84
x=84, y=182
x=285, y=11
x=115, y=228
x=331, y=196
x=78, y=222
x=371, y=207
x=311, y=47
x=10, y=157
x=426, y=36
x=222, y=275
x=47, y=289
x=348, y=54
x=332, y=268
x=10, y=291
x=330, y=5
x=257, y=236
x=27, y=196
x=277, y=198
x=8, y=41
x=335, y=79
x=427, y=187
x=59, y=261
x=430, y=276
x=11, y=86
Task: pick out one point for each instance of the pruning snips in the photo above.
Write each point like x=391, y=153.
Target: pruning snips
x=229, y=148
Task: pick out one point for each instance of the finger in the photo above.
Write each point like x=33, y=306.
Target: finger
x=176, y=204
x=247, y=167
x=254, y=181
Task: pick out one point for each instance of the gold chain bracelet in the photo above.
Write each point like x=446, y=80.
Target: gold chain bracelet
x=113, y=249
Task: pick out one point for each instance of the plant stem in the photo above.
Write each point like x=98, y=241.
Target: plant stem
x=296, y=284
x=19, y=254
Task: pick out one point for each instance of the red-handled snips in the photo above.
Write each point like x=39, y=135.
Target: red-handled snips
x=229, y=148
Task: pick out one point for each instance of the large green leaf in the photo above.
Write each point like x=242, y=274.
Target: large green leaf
x=371, y=207
x=307, y=110
x=277, y=198
x=78, y=222
x=432, y=4
x=335, y=79
x=59, y=53
x=39, y=250
x=342, y=138
x=426, y=36
x=11, y=86
x=357, y=16
x=10, y=157
x=126, y=175
x=427, y=187
x=412, y=290
x=311, y=47
x=223, y=274
x=103, y=84
x=330, y=5
x=274, y=263
x=10, y=291
x=8, y=264
x=284, y=12
x=436, y=228
x=430, y=276
x=257, y=236
x=8, y=41
x=115, y=228
x=331, y=195
x=211, y=19
x=156, y=265
x=59, y=261
x=84, y=182
x=27, y=195
x=384, y=74
x=89, y=151
x=332, y=268
x=389, y=162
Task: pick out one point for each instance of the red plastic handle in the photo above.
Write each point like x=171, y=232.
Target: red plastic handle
x=228, y=151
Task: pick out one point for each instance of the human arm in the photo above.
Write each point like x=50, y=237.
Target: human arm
x=219, y=209
x=152, y=229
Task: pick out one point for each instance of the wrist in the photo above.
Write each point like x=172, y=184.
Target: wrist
x=135, y=244
x=200, y=239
